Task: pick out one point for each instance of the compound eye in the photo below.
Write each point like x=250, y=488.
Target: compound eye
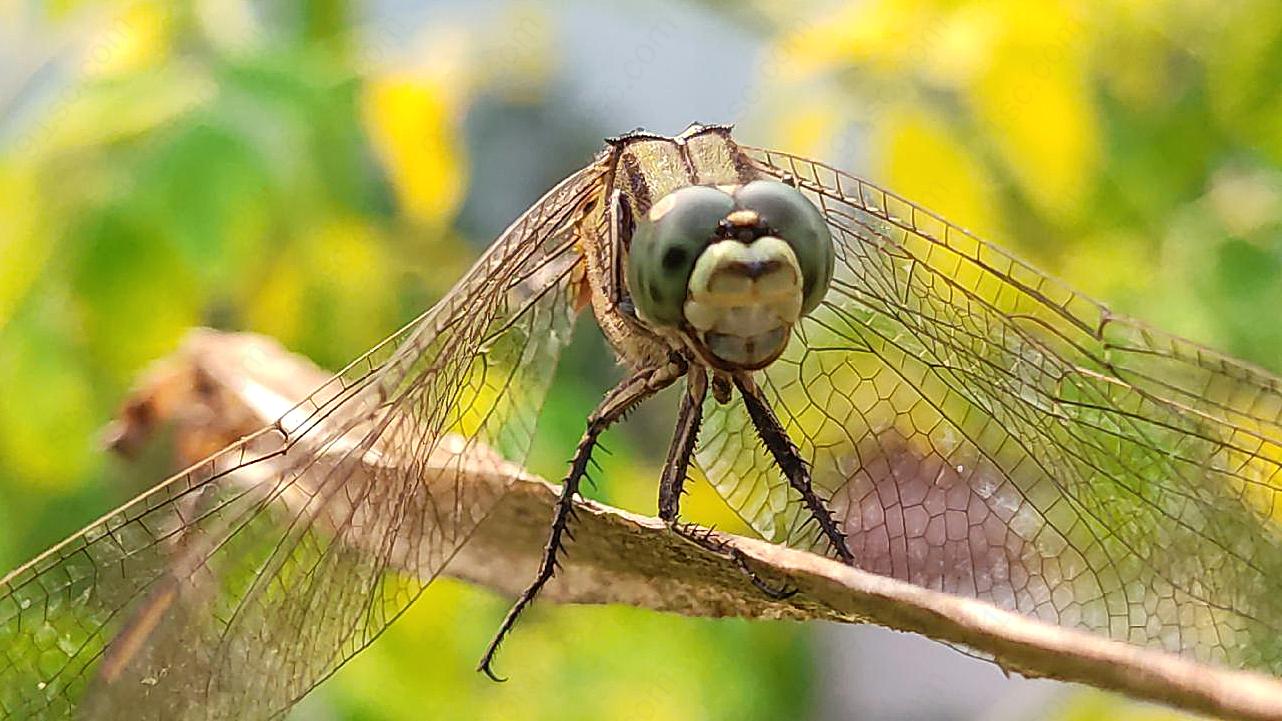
x=796, y=221
x=665, y=246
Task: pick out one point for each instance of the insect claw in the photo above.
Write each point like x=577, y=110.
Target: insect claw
x=485, y=669
x=786, y=592
x=779, y=593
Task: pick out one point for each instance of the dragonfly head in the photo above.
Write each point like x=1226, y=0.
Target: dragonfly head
x=734, y=266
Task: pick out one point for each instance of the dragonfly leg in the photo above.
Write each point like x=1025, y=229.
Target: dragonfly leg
x=689, y=418
x=672, y=482
x=790, y=462
x=703, y=538
x=621, y=399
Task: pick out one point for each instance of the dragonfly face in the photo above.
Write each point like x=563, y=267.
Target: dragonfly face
x=734, y=267
x=704, y=257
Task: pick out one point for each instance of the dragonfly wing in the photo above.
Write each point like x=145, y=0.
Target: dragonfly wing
x=231, y=590
x=983, y=430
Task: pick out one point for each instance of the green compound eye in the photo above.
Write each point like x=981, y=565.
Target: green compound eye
x=665, y=246
x=796, y=221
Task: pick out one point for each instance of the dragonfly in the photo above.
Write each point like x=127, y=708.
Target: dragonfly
x=858, y=377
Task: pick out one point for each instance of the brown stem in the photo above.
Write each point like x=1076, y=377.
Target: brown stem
x=622, y=557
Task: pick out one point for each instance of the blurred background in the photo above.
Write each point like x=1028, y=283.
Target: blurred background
x=322, y=171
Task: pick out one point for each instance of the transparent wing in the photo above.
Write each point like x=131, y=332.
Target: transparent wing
x=231, y=590
x=983, y=430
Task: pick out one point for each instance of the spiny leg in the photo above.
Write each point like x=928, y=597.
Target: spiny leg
x=621, y=399
x=689, y=419
x=790, y=462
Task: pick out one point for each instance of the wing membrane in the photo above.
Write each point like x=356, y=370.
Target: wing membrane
x=982, y=429
x=231, y=590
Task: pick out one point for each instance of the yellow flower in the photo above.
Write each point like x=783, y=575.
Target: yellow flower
x=136, y=38
x=1033, y=99
x=411, y=124
x=922, y=159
